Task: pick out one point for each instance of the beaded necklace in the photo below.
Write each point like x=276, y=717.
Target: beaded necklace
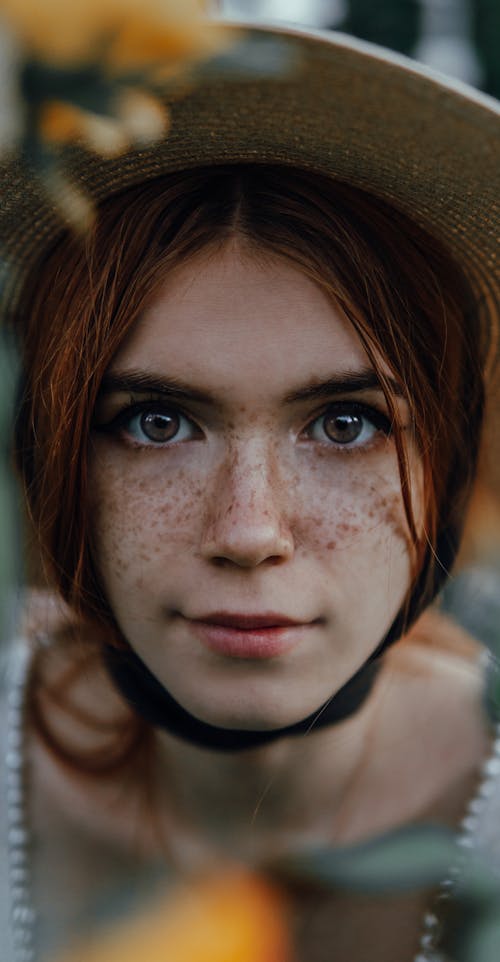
x=466, y=845
x=22, y=912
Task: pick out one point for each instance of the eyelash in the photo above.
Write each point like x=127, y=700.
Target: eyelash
x=380, y=422
x=118, y=424
x=376, y=418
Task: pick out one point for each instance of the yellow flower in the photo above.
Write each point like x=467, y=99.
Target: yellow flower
x=137, y=31
x=74, y=206
x=85, y=69
x=143, y=117
x=61, y=123
x=232, y=917
x=138, y=118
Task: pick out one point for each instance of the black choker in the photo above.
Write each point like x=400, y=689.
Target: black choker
x=155, y=704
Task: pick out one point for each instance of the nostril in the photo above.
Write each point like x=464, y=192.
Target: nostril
x=251, y=556
x=220, y=562
x=276, y=559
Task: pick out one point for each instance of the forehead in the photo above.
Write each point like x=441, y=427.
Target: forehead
x=229, y=315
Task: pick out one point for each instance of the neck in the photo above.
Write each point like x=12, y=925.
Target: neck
x=275, y=798
x=147, y=696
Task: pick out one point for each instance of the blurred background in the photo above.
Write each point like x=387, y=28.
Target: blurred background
x=462, y=39
x=458, y=37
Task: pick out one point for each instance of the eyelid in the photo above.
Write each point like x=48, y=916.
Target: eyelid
x=129, y=408
x=381, y=422
x=369, y=410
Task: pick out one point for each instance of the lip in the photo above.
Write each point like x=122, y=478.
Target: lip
x=247, y=622
x=249, y=636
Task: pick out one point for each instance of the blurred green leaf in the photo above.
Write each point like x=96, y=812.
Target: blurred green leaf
x=474, y=933
x=491, y=692
x=479, y=883
x=414, y=857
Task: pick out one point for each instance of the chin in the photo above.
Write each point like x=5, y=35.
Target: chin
x=249, y=718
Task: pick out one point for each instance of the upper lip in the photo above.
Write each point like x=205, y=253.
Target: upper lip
x=236, y=619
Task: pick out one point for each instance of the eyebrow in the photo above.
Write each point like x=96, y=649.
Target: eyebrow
x=348, y=382
x=141, y=382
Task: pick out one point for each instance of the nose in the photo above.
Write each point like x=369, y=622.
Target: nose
x=246, y=523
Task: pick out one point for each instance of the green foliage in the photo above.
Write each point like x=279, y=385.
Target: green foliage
x=415, y=857
x=393, y=23
x=474, y=932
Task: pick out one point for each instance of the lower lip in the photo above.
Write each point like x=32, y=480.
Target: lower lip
x=258, y=643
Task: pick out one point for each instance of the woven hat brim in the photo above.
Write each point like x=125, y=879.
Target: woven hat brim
x=343, y=108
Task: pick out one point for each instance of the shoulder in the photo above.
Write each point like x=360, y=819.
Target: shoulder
x=466, y=736
x=442, y=670
x=435, y=716
x=440, y=656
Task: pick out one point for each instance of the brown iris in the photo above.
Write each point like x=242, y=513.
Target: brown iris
x=159, y=426
x=343, y=428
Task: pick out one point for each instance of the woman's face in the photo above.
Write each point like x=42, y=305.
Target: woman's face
x=248, y=522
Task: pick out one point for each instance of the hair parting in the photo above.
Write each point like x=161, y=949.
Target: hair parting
x=409, y=303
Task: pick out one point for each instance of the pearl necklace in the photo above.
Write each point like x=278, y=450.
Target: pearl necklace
x=23, y=915
x=467, y=837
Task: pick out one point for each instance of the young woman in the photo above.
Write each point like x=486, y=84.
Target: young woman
x=248, y=430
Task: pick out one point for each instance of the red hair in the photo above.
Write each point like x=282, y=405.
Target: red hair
x=407, y=300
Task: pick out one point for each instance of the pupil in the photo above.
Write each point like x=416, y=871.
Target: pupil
x=159, y=427
x=343, y=427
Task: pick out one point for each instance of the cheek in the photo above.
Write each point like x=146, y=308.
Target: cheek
x=137, y=522
x=358, y=534
x=353, y=507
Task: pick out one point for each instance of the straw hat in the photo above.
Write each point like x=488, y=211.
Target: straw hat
x=427, y=144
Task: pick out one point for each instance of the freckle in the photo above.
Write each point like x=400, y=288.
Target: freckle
x=349, y=530
x=331, y=545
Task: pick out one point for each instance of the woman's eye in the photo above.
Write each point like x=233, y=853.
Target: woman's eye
x=349, y=426
x=157, y=426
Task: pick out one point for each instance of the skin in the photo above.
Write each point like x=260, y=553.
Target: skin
x=255, y=508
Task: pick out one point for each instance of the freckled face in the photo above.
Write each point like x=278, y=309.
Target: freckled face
x=242, y=473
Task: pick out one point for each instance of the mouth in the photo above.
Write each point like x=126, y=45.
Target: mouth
x=249, y=636
x=247, y=622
